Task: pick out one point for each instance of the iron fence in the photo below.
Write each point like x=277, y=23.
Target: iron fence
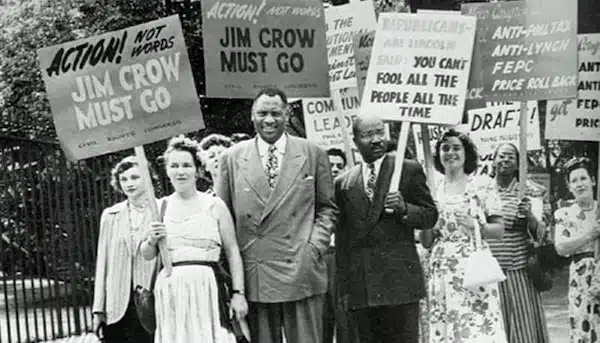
x=49, y=221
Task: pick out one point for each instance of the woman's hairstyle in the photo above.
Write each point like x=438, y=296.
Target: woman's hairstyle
x=121, y=166
x=182, y=143
x=516, y=150
x=215, y=139
x=239, y=137
x=577, y=163
x=471, y=157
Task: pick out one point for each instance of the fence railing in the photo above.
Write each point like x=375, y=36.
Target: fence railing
x=49, y=222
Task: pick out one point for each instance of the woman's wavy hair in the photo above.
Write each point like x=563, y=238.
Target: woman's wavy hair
x=182, y=143
x=471, y=156
x=578, y=163
x=124, y=165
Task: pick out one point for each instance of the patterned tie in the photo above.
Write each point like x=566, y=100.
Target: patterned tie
x=271, y=167
x=371, y=182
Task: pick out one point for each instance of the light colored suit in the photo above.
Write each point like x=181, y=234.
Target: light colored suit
x=119, y=264
x=283, y=234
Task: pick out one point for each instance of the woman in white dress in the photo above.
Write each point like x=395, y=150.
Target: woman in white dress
x=196, y=225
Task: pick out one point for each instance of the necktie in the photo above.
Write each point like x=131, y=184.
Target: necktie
x=371, y=182
x=272, y=165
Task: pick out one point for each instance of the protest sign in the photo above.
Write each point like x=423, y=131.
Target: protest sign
x=323, y=122
x=492, y=126
x=524, y=50
x=419, y=68
x=579, y=119
x=363, y=44
x=343, y=23
x=121, y=89
x=254, y=44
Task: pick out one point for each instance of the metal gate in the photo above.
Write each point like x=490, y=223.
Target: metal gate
x=49, y=222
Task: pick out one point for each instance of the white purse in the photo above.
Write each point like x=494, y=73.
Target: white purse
x=482, y=267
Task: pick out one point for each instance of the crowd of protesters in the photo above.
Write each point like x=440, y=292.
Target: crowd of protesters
x=317, y=249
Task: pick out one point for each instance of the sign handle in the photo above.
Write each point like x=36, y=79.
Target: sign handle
x=523, y=119
x=429, y=170
x=143, y=162
x=400, y=152
x=597, y=247
x=337, y=101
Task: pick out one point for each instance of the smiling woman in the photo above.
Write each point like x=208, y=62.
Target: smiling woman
x=120, y=261
x=190, y=303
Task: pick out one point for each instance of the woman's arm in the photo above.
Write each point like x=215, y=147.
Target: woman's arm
x=494, y=228
x=229, y=240
x=227, y=231
x=566, y=241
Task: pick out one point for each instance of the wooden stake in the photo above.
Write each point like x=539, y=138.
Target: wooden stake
x=400, y=152
x=523, y=119
x=429, y=171
x=162, y=246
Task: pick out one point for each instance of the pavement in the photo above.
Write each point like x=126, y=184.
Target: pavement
x=557, y=308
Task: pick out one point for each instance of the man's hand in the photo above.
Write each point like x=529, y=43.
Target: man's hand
x=394, y=203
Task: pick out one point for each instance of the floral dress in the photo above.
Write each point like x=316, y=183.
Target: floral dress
x=459, y=315
x=584, y=310
x=424, y=303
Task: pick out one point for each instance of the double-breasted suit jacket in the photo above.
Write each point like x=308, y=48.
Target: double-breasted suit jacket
x=284, y=233
x=377, y=259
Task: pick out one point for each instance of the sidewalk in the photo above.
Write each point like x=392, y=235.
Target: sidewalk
x=557, y=308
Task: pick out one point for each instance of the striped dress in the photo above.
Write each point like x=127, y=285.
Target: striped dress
x=524, y=319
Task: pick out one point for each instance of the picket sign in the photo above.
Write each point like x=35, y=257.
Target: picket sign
x=597, y=248
x=337, y=105
x=162, y=245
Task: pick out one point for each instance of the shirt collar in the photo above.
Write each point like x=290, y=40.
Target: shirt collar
x=263, y=146
x=376, y=163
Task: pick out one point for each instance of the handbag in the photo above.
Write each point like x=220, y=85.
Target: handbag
x=482, y=267
x=143, y=298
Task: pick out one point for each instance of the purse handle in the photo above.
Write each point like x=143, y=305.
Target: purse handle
x=158, y=263
x=477, y=228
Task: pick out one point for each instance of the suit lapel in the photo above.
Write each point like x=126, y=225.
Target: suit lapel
x=381, y=190
x=355, y=191
x=252, y=168
x=293, y=160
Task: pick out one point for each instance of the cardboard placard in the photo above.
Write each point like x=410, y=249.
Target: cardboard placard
x=492, y=126
x=419, y=68
x=121, y=89
x=322, y=120
x=254, y=44
x=525, y=50
x=343, y=23
x=579, y=119
x=363, y=45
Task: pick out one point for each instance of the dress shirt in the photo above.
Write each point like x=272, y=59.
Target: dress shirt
x=263, y=150
x=366, y=171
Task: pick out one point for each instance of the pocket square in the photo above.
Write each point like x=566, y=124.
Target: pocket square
x=247, y=189
x=308, y=177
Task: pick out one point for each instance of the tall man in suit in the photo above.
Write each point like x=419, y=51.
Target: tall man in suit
x=280, y=192
x=378, y=266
